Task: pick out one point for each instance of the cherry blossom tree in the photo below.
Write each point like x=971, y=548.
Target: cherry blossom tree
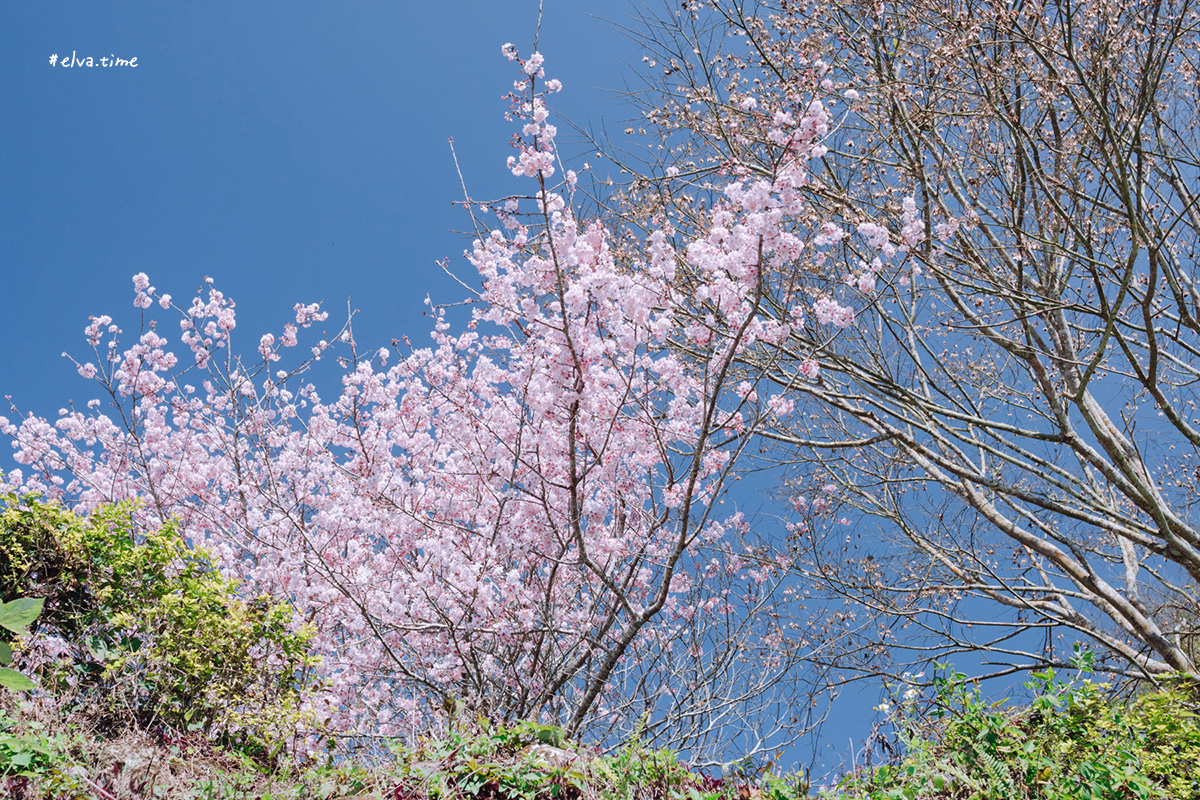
x=528, y=518
x=1010, y=187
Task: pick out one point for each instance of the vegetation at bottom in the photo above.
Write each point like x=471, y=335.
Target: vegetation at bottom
x=1074, y=740
x=137, y=670
x=1071, y=741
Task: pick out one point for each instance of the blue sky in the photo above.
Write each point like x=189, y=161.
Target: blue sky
x=292, y=151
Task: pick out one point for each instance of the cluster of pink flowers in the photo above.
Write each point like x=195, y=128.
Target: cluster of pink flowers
x=830, y=312
x=912, y=233
x=536, y=156
x=876, y=235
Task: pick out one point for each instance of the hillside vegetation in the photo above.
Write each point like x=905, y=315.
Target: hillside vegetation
x=151, y=676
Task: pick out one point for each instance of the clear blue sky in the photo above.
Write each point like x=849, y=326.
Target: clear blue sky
x=294, y=151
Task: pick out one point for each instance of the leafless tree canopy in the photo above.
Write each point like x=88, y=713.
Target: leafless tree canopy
x=1016, y=403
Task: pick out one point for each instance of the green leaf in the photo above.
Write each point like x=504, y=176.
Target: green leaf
x=14, y=680
x=5, y=653
x=16, y=615
x=98, y=648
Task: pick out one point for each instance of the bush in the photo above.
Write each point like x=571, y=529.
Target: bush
x=138, y=629
x=1073, y=741
x=531, y=761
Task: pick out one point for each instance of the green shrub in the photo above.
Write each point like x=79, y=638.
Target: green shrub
x=1074, y=741
x=156, y=636
x=23, y=753
x=530, y=761
x=1170, y=747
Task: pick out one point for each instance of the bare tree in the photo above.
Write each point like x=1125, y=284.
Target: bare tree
x=1016, y=401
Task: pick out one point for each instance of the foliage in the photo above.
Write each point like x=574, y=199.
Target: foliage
x=24, y=751
x=489, y=762
x=140, y=629
x=528, y=761
x=1074, y=741
x=71, y=759
x=473, y=761
x=15, y=616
